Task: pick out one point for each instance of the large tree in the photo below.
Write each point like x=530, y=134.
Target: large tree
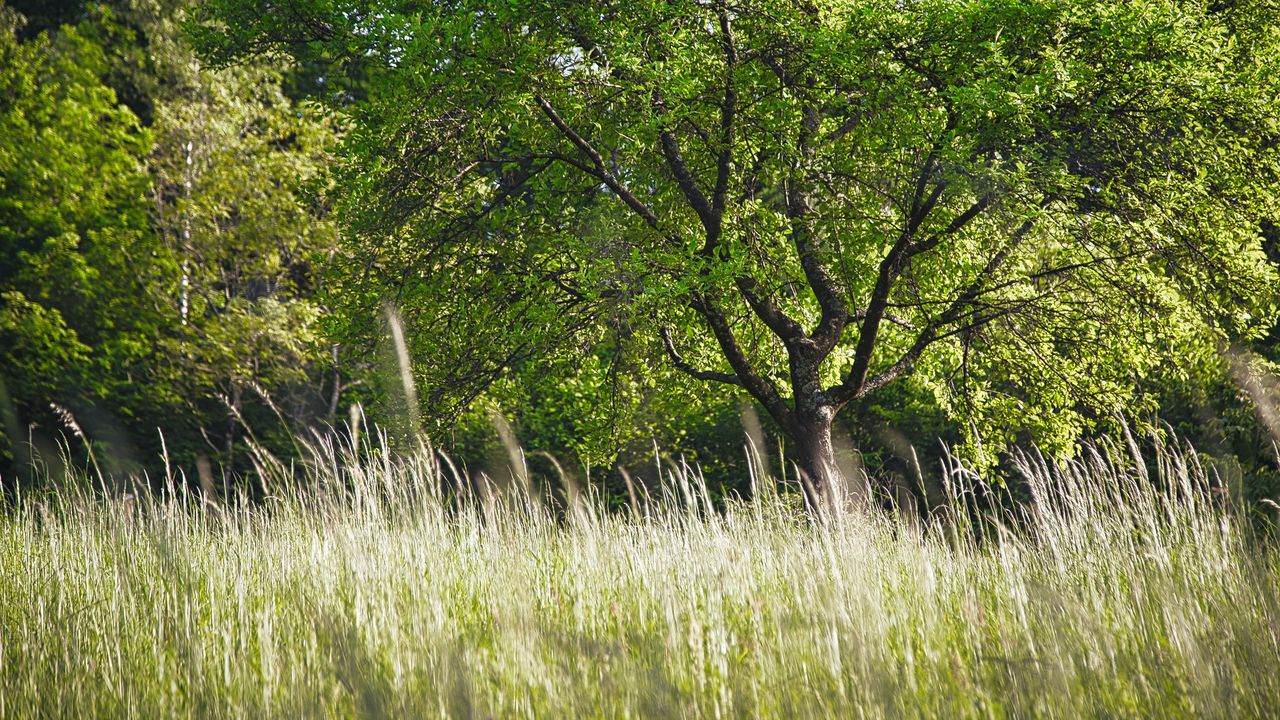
x=1032, y=202
x=75, y=254
x=156, y=267
x=232, y=158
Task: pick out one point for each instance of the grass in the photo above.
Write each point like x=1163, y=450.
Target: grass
x=1122, y=592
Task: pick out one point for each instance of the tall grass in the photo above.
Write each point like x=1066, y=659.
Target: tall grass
x=362, y=587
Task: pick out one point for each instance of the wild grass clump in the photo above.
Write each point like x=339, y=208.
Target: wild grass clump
x=370, y=586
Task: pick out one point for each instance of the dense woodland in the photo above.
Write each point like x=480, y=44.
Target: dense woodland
x=163, y=229
x=618, y=230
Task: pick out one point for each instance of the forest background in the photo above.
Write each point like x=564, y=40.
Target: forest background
x=171, y=266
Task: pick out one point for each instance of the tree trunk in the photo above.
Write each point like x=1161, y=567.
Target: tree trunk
x=831, y=473
x=820, y=476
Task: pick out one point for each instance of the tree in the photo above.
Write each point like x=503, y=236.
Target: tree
x=1030, y=203
x=241, y=347
x=75, y=254
x=158, y=271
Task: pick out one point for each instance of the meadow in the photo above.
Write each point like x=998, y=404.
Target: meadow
x=361, y=587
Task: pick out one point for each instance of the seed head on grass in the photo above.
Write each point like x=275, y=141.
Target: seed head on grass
x=365, y=587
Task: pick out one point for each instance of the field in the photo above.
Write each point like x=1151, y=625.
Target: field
x=1118, y=592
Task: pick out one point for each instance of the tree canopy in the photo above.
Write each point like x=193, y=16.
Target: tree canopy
x=156, y=254
x=1029, y=203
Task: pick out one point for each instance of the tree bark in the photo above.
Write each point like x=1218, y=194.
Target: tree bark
x=832, y=475
x=816, y=458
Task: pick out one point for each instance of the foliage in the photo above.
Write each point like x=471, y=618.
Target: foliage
x=75, y=253
x=602, y=414
x=1062, y=199
x=156, y=271
x=1031, y=205
x=232, y=152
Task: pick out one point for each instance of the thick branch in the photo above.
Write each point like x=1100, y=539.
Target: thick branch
x=687, y=183
x=767, y=310
x=856, y=385
x=598, y=167
x=759, y=387
x=890, y=269
x=709, y=213
x=728, y=111
x=831, y=301
x=684, y=366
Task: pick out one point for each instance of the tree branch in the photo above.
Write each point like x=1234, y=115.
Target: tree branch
x=686, y=182
x=861, y=314
x=682, y=365
x=831, y=301
x=957, y=224
x=782, y=325
x=857, y=385
x=601, y=170
x=759, y=387
x=728, y=111
x=891, y=267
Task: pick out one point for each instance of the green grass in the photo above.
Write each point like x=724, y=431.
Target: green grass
x=370, y=597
